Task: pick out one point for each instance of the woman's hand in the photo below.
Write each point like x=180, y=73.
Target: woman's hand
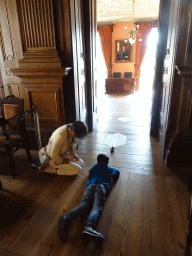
x=66, y=161
x=75, y=157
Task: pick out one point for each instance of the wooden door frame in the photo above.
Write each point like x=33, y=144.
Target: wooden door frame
x=158, y=84
x=74, y=43
x=89, y=58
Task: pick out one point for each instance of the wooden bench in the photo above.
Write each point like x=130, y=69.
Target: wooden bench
x=119, y=85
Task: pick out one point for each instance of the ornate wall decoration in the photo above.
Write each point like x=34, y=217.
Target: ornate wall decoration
x=37, y=23
x=117, y=11
x=2, y=44
x=8, y=72
x=11, y=51
x=6, y=37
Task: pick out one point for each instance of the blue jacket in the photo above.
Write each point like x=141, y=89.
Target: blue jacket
x=103, y=174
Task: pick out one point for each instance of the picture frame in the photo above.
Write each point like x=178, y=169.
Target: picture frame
x=123, y=51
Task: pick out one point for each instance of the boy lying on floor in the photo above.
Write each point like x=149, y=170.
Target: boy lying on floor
x=101, y=179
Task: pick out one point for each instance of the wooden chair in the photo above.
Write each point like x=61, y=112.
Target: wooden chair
x=116, y=74
x=128, y=75
x=13, y=127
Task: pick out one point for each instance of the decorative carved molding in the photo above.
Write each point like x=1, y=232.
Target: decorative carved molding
x=2, y=45
x=8, y=72
x=9, y=57
x=40, y=73
x=184, y=70
x=11, y=48
x=37, y=23
x=40, y=58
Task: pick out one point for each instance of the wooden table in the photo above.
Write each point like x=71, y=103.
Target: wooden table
x=119, y=85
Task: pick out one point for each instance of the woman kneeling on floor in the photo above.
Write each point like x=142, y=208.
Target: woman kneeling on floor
x=60, y=150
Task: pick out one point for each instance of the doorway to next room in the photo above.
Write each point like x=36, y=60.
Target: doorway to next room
x=127, y=113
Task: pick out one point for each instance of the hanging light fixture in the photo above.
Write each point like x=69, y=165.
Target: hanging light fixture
x=131, y=35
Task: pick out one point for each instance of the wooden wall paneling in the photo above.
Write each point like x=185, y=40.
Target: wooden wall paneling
x=184, y=33
x=39, y=69
x=47, y=98
x=30, y=60
x=179, y=147
x=161, y=49
x=169, y=68
x=176, y=80
x=62, y=18
x=179, y=87
x=185, y=101
x=10, y=43
x=37, y=23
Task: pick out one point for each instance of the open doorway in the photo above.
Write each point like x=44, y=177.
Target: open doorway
x=134, y=108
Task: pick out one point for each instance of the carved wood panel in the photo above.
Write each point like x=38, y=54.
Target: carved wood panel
x=168, y=70
x=2, y=45
x=36, y=23
x=184, y=120
x=48, y=100
x=6, y=37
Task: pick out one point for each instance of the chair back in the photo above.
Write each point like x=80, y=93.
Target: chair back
x=128, y=75
x=11, y=100
x=116, y=74
x=11, y=106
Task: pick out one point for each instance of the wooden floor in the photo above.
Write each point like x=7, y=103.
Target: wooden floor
x=145, y=213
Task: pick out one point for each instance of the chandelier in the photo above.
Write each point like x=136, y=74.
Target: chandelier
x=131, y=35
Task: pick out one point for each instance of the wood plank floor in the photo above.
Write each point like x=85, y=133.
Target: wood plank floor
x=145, y=213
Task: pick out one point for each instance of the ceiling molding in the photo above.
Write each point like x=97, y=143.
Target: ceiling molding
x=121, y=11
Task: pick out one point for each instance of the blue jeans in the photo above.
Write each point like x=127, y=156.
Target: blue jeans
x=93, y=200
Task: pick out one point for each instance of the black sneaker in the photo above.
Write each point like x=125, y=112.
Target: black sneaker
x=63, y=228
x=89, y=233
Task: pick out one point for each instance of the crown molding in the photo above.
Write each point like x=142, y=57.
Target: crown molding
x=38, y=73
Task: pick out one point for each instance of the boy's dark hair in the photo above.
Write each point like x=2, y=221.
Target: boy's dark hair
x=80, y=129
x=101, y=159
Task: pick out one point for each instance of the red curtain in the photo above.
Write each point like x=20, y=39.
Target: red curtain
x=141, y=46
x=105, y=34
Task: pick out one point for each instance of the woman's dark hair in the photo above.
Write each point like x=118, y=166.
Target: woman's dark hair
x=80, y=129
x=101, y=159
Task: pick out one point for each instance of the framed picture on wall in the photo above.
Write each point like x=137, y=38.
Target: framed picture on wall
x=123, y=51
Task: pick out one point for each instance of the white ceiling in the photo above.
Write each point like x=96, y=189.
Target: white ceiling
x=115, y=11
